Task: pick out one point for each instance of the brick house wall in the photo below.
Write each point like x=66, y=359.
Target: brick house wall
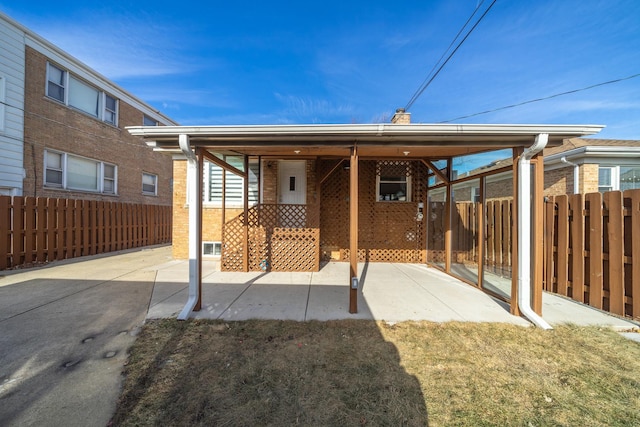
x=52, y=125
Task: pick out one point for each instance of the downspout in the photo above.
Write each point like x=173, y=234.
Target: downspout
x=576, y=173
x=195, y=255
x=524, y=231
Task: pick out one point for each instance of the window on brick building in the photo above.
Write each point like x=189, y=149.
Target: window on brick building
x=80, y=95
x=71, y=172
x=213, y=249
x=149, y=184
x=148, y=121
x=56, y=82
x=613, y=178
x=234, y=184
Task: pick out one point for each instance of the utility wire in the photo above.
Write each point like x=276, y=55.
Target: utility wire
x=428, y=80
x=447, y=49
x=543, y=98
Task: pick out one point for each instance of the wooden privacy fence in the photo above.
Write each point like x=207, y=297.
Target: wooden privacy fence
x=36, y=229
x=592, y=249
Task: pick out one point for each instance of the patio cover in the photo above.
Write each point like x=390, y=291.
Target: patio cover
x=353, y=141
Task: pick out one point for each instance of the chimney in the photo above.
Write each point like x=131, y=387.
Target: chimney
x=401, y=117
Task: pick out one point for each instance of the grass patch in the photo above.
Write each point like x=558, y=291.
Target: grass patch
x=369, y=373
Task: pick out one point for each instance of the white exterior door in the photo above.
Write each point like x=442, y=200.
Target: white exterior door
x=292, y=182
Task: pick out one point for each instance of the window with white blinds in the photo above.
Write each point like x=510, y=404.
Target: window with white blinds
x=234, y=183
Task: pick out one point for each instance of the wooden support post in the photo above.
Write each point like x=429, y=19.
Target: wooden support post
x=353, y=229
x=447, y=223
x=245, y=246
x=537, y=223
x=481, y=232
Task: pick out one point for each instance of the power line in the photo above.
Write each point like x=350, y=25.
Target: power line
x=428, y=79
x=543, y=98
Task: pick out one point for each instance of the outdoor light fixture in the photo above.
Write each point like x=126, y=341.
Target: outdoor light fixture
x=406, y=153
x=296, y=151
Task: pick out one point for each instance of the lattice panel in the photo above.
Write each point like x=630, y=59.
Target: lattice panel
x=388, y=231
x=394, y=168
x=281, y=238
x=295, y=249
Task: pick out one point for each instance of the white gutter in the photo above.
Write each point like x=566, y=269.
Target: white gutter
x=524, y=231
x=194, y=189
x=576, y=174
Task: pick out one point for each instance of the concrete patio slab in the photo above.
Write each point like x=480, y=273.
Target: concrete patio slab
x=390, y=292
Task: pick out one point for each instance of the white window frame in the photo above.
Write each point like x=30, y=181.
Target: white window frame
x=235, y=182
x=616, y=176
x=64, y=169
x=101, y=110
x=382, y=198
x=155, y=184
x=215, y=247
x=107, y=111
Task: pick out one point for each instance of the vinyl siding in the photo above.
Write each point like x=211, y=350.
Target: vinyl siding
x=12, y=73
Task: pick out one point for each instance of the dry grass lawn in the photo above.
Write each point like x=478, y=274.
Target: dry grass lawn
x=280, y=373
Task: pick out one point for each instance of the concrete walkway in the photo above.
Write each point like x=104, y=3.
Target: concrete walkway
x=66, y=328
x=390, y=292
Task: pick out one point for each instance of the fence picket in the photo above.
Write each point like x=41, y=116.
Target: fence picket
x=562, y=248
x=635, y=252
x=576, y=205
x=595, y=250
x=613, y=203
x=5, y=233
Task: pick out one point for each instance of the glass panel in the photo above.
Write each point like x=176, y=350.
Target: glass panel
x=474, y=164
x=54, y=160
x=54, y=177
x=442, y=167
x=292, y=183
x=83, y=97
x=55, y=85
x=254, y=173
x=110, y=109
x=436, y=217
x=464, y=231
x=497, y=240
x=604, y=179
x=82, y=174
x=149, y=183
x=148, y=121
x=629, y=178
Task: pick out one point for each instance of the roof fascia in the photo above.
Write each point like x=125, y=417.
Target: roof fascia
x=580, y=153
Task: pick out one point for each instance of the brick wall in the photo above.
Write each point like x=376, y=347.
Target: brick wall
x=52, y=125
x=558, y=181
x=589, y=178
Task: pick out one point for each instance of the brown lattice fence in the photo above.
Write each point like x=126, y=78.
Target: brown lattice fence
x=279, y=238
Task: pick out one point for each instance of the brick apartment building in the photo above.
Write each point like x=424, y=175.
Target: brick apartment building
x=62, y=128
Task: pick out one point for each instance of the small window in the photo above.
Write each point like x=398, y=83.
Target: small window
x=148, y=121
x=629, y=177
x=149, y=184
x=394, y=188
x=109, y=179
x=110, y=109
x=53, y=171
x=605, y=183
x=56, y=82
x=211, y=248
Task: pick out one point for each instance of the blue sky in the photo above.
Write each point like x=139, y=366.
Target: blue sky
x=276, y=62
